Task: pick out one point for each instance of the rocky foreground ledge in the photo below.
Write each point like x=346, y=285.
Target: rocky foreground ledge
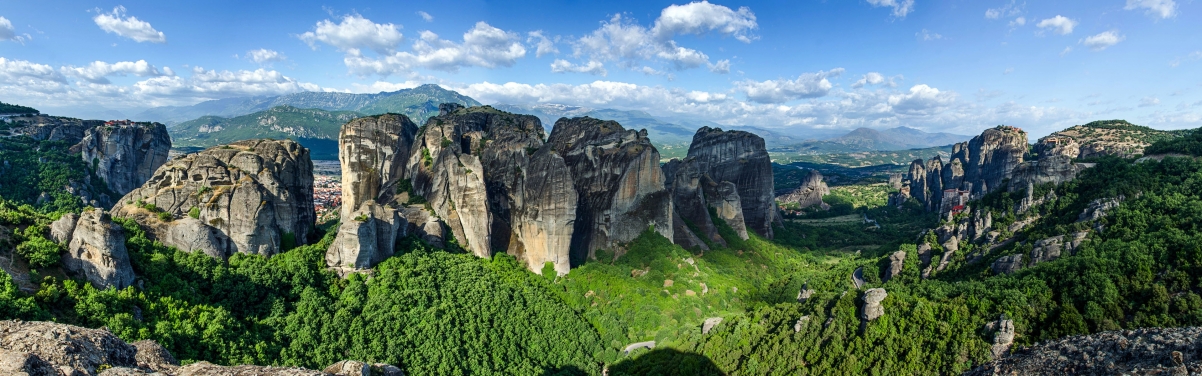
x=1156, y=351
x=32, y=348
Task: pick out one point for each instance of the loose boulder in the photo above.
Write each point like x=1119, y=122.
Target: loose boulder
x=872, y=308
x=896, y=262
x=97, y=252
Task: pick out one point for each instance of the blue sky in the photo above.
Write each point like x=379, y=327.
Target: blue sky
x=952, y=65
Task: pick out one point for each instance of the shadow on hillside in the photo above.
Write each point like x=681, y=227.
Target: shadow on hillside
x=666, y=362
x=564, y=371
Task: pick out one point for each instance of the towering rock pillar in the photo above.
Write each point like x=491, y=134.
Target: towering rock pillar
x=124, y=155
x=740, y=158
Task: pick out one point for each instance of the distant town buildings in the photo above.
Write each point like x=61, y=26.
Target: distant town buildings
x=327, y=194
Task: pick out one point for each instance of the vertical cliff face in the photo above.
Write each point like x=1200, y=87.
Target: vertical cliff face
x=252, y=196
x=544, y=223
x=96, y=251
x=126, y=155
x=978, y=167
x=740, y=158
x=373, y=152
x=690, y=204
x=619, y=183
x=470, y=164
x=724, y=199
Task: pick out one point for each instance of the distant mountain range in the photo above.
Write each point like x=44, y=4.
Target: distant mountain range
x=315, y=129
x=418, y=103
x=866, y=140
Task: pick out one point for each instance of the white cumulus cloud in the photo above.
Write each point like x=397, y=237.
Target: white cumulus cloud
x=900, y=7
x=1060, y=25
x=131, y=27
x=425, y=16
x=483, y=46
x=872, y=78
x=593, y=67
x=721, y=67
x=1018, y=22
x=703, y=17
x=542, y=44
x=1156, y=8
x=807, y=85
x=1103, y=40
x=264, y=55
x=7, y=32
x=355, y=32
x=98, y=71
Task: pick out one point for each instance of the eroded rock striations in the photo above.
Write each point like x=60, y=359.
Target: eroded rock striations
x=976, y=167
x=688, y=183
x=96, y=251
x=740, y=157
x=125, y=155
x=809, y=193
x=252, y=196
x=373, y=152
x=619, y=184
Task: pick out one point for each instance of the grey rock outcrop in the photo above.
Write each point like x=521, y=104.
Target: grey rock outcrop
x=1099, y=208
x=125, y=155
x=97, y=253
x=153, y=356
x=690, y=203
x=809, y=194
x=1003, y=336
x=424, y=225
x=724, y=199
x=545, y=221
x=740, y=158
x=373, y=152
x=872, y=308
x=16, y=363
x=896, y=262
x=619, y=183
x=1153, y=351
x=709, y=324
x=1008, y=264
x=976, y=167
x=252, y=196
x=1055, y=169
x=60, y=230
x=67, y=348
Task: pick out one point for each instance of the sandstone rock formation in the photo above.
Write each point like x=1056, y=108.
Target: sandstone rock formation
x=97, y=253
x=125, y=155
x=688, y=184
x=544, y=223
x=252, y=196
x=373, y=152
x=1003, y=336
x=740, y=157
x=709, y=324
x=1054, y=169
x=52, y=349
x=896, y=262
x=1155, y=351
x=424, y=225
x=619, y=184
x=809, y=194
x=976, y=167
x=872, y=308
x=60, y=230
x=725, y=200
x=1008, y=264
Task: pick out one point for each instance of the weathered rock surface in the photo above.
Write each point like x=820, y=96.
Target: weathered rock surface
x=724, y=199
x=740, y=158
x=544, y=222
x=1003, y=336
x=978, y=167
x=896, y=262
x=1156, y=351
x=424, y=225
x=619, y=183
x=709, y=324
x=1054, y=169
x=689, y=202
x=366, y=237
x=809, y=194
x=60, y=230
x=1099, y=208
x=252, y=196
x=51, y=349
x=126, y=155
x=1008, y=264
x=872, y=304
x=373, y=152
x=97, y=252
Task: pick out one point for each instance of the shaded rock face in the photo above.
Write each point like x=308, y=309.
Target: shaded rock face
x=97, y=253
x=740, y=158
x=373, y=152
x=1008, y=264
x=60, y=230
x=470, y=164
x=1155, y=351
x=251, y=196
x=689, y=202
x=619, y=184
x=1003, y=336
x=810, y=192
x=992, y=157
x=1099, y=208
x=709, y=324
x=366, y=237
x=724, y=199
x=872, y=304
x=125, y=156
x=545, y=222
x=1054, y=169
x=424, y=225
x=66, y=347
x=896, y=262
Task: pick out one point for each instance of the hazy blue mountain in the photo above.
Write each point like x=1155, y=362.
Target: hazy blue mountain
x=418, y=103
x=314, y=128
x=866, y=139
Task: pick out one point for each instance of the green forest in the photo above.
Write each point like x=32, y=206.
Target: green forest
x=440, y=312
